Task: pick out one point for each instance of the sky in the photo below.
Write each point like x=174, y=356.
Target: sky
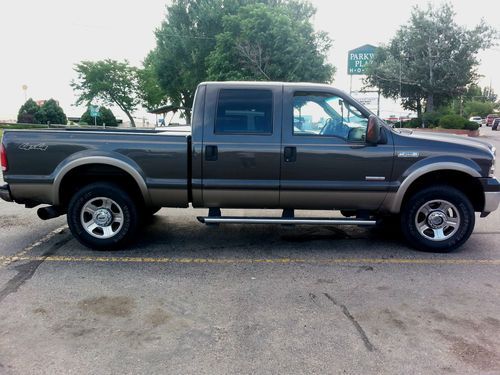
x=41, y=41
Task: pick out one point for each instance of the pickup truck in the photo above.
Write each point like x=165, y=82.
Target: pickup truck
x=286, y=146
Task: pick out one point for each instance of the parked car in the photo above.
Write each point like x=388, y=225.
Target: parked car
x=490, y=118
x=477, y=120
x=496, y=122
x=249, y=148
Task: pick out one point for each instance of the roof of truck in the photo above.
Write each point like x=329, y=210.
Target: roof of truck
x=267, y=83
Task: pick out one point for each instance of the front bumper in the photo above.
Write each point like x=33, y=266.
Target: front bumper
x=5, y=193
x=491, y=188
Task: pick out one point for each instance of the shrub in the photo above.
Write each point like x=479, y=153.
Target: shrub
x=27, y=112
x=471, y=125
x=453, y=122
x=431, y=119
x=105, y=116
x=413, y=123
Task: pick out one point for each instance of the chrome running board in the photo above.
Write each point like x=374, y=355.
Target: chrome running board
x=282, y=220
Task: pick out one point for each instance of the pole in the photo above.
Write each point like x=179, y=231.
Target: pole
x=350, y=86
x=378, y=103
x=400, y=87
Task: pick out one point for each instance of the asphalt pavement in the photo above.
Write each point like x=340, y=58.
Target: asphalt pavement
x=194, y=299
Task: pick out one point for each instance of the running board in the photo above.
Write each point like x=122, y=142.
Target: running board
x=281, y=220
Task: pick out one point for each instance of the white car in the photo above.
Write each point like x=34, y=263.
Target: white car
x=477, y=120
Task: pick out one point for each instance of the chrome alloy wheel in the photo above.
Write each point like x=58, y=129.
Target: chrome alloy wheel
x=437, y=220
x=101, y=217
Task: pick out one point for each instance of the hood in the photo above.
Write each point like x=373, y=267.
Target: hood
x=450, y=138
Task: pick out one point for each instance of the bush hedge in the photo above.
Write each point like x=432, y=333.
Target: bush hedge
x=453, y=122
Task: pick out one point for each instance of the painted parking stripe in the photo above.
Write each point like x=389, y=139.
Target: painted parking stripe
x=27, y=249
x=333, y=261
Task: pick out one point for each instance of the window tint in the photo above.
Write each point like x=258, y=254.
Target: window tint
x=327, y=115
x=244, y=111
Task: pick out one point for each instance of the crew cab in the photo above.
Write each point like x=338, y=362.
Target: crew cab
x=274, y=145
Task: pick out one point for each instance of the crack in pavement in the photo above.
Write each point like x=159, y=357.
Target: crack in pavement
x=369, y=346
x=27, y=270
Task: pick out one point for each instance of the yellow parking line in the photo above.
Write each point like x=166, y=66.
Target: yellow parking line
x=27, y=249
x=332, y=261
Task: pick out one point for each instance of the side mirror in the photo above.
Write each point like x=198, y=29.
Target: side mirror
x=373, y=130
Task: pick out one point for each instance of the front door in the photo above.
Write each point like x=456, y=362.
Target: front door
x=326, y=163
x=241, y=146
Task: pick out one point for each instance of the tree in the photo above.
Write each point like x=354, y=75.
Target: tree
x=50, y=112
x=111, y=81
x=433, y=58
x=264, y=42
x=188, y=35
x=183, y=42
x=105, y=117
x=27, y=112
x=149, y=91
x=478, y=108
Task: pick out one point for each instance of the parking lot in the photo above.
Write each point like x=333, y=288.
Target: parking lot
x=192, y=299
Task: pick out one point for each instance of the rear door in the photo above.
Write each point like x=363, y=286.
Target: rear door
x=241, y=145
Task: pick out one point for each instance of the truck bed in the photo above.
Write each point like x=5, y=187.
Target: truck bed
x=39, y=160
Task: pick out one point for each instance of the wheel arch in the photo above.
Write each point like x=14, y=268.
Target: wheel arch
x=85, y=167
x=462, y=177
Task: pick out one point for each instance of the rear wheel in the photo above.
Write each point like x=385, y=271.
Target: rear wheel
x=102, y=216
x=437, y=219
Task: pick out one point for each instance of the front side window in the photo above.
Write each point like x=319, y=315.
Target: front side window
x=248, y=111
x=328, y=115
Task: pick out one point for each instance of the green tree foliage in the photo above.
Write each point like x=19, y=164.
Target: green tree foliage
x=149, y=90
x=183, y=42
x=435, y=57
x=196, y=29
x=113, y=82
x=105, y=117
x=27, y=112
x=49, y=112
x=268, y=43
x=478, y=108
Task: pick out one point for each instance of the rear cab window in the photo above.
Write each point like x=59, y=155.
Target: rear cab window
x=247, y=111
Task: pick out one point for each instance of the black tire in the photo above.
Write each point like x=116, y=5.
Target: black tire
x=123, y=204
x=445, y=239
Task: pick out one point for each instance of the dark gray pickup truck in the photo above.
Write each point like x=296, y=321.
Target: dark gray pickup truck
x=273, y=145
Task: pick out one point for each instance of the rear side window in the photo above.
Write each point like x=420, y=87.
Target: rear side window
x=244, y=112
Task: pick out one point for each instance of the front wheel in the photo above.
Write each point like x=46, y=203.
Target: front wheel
x=437, y=219
x=102, y=216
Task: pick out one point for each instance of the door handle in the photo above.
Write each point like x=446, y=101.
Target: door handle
x=290, y=154
x=211, y=153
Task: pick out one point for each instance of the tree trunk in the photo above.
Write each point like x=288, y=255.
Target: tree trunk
x=132, y=122
x=419, y=108
x=430, y=103
x=187, y=113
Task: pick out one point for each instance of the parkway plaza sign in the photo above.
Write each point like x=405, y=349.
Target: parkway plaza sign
x=359, y=58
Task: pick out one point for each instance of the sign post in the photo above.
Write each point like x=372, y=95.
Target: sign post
x=94, y=112
x=358, y=60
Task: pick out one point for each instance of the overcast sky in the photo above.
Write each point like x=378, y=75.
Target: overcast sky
x=42, y=40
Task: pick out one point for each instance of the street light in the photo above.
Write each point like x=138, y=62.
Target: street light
x=25, y=89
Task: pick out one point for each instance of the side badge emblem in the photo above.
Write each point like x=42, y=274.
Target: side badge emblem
x=408, y=154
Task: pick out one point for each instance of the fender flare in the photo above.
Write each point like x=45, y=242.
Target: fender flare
x=105, y=160
x=394, y=203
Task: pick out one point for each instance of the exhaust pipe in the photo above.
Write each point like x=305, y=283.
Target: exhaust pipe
x=50, y=212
